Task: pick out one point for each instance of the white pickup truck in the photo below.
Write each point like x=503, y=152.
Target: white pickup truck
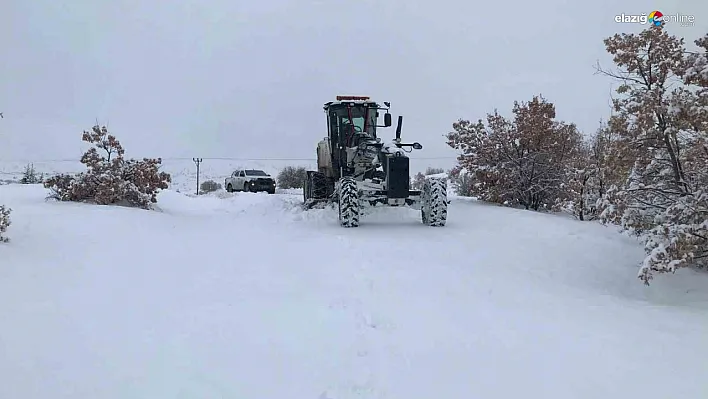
x=252, y=180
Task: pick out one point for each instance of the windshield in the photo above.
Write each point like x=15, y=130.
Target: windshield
x=256, y=173
x=359, y=114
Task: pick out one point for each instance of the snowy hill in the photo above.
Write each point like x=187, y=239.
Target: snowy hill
x=247, y=296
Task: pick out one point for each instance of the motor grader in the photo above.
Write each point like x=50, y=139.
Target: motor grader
x=357, y=168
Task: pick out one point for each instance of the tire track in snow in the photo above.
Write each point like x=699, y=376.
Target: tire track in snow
x=358, y=302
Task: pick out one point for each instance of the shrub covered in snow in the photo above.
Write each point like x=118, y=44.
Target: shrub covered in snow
x=518, y=161
x=30, y=176
x=419, y=179
x=661, y=120
x=461, y=181
x=292, y=177
x=4, y=222
x=110, y=178
x=209, y=186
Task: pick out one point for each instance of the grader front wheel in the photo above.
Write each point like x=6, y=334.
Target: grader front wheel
x=434, y=202
x=349, y=208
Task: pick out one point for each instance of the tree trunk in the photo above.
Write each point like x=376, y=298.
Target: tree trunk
x=581, y=214
x=673, y=151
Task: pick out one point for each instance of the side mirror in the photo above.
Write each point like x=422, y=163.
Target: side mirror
x=417, y=146
x=387, y=120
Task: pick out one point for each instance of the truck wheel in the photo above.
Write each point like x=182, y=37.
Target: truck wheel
x=348, y=194
x=230, y=188
x=434, y=202
x=247, y=187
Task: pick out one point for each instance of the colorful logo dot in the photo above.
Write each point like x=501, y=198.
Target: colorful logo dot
x=655, y=18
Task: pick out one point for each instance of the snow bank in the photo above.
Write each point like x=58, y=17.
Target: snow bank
x=442, y=175
x=290, y=191
x=248, y=296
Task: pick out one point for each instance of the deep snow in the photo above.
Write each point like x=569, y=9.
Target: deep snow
x=247, y=296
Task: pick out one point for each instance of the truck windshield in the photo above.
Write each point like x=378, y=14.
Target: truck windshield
x=256, y=173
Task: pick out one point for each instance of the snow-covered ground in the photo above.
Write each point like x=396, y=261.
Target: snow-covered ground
x=183, y=171
x=248, y=296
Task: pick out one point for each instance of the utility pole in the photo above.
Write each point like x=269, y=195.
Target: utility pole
x=197, y=161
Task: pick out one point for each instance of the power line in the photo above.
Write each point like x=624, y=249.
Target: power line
x=243, y=159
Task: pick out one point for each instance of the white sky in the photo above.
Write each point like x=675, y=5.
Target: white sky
x=248, y=79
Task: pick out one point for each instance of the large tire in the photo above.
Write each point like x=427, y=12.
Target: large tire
x=316, y=187
x=348, y=194
x=434, y=202
x=319, y=186
x=229, y=188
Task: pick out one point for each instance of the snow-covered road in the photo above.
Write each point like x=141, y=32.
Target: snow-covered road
x=246, y=296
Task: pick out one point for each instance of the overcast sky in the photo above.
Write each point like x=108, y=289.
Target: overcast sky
x=248, y=79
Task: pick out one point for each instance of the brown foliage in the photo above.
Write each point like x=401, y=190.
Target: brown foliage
x=110, y=178
x=660, y=130
x=521, y=161
x=649, y=64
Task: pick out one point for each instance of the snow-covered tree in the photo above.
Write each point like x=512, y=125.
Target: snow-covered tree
x=110, y=179
x=598, y=164
x=461, y=181
x=660, y=123
x=29, y=175
x=578, y=189
x=292, y=177
x=520, y=161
